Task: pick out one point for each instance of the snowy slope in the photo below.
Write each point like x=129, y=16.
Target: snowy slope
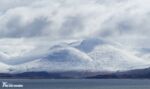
x=107, y=55
x=110, y=58
x=5, y=68
x=91, y=54
x=59, y=59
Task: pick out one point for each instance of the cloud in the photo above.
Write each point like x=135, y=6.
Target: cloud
x=34, y=28
x=61, y=18
x=69, y=18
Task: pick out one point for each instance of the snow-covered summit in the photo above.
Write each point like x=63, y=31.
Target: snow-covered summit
x=90, y=54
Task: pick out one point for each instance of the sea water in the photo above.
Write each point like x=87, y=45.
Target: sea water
x=75, y=83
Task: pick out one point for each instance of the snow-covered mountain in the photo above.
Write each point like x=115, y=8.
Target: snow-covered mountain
x=90, y=54
x=74, y=35
x=110, y=56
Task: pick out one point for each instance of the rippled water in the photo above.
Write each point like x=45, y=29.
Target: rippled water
x=79, y=83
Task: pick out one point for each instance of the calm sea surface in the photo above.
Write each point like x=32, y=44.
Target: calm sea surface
x=78, y=83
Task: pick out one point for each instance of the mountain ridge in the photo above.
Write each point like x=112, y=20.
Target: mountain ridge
x=98, y=55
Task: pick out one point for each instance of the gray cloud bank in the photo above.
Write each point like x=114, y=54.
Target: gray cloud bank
x=74, y=18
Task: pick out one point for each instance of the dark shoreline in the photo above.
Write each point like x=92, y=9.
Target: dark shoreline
x=132, y=74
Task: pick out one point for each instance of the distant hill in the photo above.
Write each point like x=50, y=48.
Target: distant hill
x=132, y=74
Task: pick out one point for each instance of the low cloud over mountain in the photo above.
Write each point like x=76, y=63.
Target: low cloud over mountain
x=97, y=35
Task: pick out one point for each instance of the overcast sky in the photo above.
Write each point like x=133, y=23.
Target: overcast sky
x=74, y=18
